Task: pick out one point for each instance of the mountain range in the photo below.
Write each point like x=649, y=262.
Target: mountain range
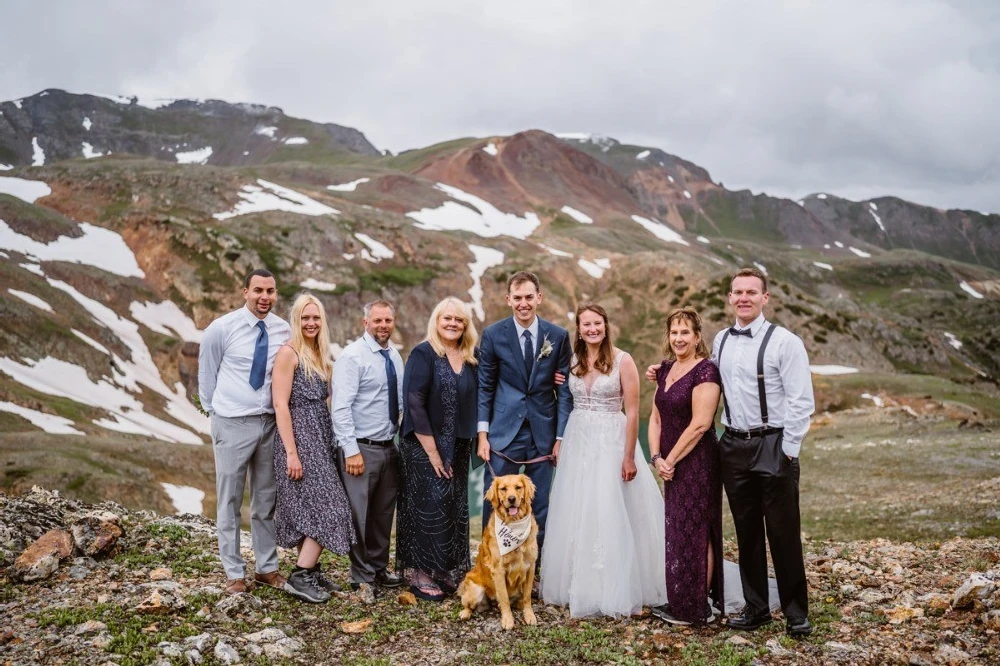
x=126, y=226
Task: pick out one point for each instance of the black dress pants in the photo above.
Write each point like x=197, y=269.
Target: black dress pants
x=762, y=485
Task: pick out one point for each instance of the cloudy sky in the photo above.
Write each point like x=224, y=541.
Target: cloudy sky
x=857, y=98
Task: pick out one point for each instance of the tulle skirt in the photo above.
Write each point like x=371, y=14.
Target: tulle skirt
x=604, y=549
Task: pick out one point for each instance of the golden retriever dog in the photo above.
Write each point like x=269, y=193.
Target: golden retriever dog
x=506, y=578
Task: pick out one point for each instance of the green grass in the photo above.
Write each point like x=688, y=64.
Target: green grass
x=396, y=276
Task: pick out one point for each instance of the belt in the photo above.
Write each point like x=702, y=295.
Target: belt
x=752, y=432
x=376, y=442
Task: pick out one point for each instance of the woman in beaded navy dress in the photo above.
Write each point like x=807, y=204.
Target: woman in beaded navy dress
x=603, y=552
x=686, y=456
x=311, y=509
x=440, y=389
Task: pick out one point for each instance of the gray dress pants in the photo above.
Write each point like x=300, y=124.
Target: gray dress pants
x=373, y=503
x=244, y=446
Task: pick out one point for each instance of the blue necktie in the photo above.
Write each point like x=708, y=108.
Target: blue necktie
x=259, y=366
x=529, y=352
x=390, y=374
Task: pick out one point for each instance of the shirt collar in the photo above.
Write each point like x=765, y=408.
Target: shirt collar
x=251, y=319
x=754, y=326
x=520, y=329
x=373, y=345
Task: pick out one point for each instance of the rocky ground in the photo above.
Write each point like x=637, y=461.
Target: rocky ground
x=100, y=584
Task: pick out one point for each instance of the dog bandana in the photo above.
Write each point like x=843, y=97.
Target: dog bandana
x=510, y=536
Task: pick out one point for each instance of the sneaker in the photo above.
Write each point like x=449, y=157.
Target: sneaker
x=712, y=614
x=663, y=613
x=323, y=581
x=303, y=584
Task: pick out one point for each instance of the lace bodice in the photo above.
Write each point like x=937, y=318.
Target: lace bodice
x=605, y=394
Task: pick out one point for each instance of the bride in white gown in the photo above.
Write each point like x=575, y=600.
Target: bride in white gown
x=603, y=551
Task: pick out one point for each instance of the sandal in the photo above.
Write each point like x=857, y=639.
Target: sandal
x=428, y=591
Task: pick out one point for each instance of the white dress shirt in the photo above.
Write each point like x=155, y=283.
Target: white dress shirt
x=484, y=426
x=787, y=382
x=361, y=394
x=224, y=362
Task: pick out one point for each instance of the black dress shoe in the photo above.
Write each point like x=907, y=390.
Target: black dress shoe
x=386, y=578
x=798, y=627
x=748, y=619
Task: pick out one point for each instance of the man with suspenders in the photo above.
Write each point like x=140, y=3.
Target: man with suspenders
x=767, y=399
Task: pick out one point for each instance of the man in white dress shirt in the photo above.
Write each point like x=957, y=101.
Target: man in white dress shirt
x=367, y=404
x=767, y=400
x=234, y=386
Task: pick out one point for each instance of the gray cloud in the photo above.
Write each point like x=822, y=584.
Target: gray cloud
x=854, y=98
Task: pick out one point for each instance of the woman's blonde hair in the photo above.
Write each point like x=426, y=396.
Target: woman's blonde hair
x=314, y=355
x=467, y=343
x=694, y=321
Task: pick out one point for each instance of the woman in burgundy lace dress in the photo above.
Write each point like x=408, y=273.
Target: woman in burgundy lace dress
x=682, y=421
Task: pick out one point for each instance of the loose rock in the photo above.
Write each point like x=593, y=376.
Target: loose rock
x=226, y=653
x=41, y=558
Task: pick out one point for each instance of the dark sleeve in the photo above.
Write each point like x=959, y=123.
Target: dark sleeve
x=661, y=373
x=707, y=372
x=564, y=396
x=420, y=374
x=487, y=377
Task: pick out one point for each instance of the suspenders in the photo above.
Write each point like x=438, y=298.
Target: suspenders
x=761, y=391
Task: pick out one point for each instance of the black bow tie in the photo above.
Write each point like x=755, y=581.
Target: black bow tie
x=745, y=331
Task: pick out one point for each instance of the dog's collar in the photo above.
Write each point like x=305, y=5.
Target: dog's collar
x=511, y=535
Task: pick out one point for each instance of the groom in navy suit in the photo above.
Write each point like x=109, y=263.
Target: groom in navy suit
x=522, y=413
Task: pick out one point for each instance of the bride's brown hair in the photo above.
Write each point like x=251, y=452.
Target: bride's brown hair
x=605, y=355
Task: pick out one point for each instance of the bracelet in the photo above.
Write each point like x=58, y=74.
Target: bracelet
x=655, y=457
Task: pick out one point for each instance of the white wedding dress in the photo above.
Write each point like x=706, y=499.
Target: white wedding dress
x=603, y=550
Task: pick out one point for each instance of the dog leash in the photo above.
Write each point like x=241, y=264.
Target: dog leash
x=533, y=461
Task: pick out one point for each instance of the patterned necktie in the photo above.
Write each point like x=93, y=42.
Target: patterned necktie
x=390, y=374
x=529, y=352
x=259, y=366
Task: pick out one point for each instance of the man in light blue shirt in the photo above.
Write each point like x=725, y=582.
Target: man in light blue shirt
x=234, y=386
x=367, y=404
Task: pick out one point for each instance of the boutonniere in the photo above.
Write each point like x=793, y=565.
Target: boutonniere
x=546, y=349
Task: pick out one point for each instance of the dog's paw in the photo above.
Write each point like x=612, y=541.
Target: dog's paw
x=465, y=614
x=529, y=616
x=507, y=621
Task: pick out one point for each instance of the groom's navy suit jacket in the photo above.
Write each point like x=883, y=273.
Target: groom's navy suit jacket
x=508, y=396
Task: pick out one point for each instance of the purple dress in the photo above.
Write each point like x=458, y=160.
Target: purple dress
x=692, y=502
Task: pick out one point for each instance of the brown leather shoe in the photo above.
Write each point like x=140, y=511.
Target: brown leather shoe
x=273, y=579
x=235, y=586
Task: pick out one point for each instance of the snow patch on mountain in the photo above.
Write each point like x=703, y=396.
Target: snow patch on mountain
x=31, y=299
x=54, y=425
x=37, y=154
x=479, y=217
x=268, y=196
x=660, y=230
x=24, y=189
x=376, y=251
x=199, y=156
x=967, y=288
x=484, y=258
x=348, y=187
x=96, y=247
x=165, y=318
x=582, y=218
